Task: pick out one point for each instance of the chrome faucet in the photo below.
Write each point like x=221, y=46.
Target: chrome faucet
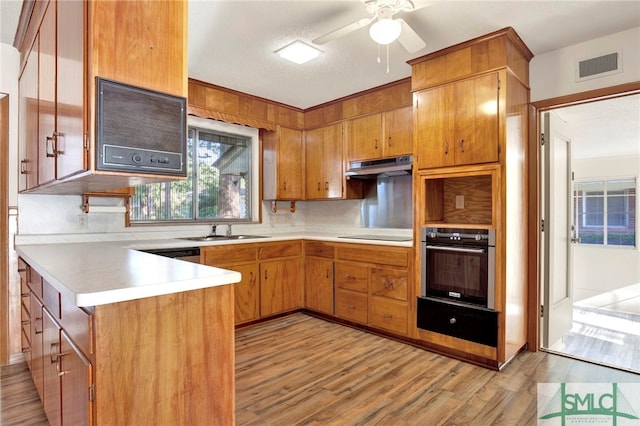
x=214, y=227
x=228, y=230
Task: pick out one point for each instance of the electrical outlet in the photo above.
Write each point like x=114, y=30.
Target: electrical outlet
x=459, y=201
x=83, y=221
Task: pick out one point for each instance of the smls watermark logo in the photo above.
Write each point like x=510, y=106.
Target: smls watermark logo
x=563, y=404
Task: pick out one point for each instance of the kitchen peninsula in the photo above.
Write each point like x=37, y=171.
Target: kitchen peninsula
x=134, y=338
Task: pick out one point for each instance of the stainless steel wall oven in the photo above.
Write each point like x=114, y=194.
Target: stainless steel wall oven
x=458, y=283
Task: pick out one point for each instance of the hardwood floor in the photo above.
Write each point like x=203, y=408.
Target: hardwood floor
x=301, y=370
x=19, y=400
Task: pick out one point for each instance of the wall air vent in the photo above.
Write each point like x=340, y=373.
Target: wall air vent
x=600, y=66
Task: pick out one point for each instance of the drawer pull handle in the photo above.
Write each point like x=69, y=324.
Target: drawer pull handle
x=446, y=147
x=387, y=316
x=26, y=322
x=453, y=321
x=352, y=307
x=388, y=284
x=461, y=145
x=375, y=143
x=327, y=273
x=351, y=277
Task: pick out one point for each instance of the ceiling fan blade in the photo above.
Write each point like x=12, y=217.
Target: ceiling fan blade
x=409, y=39
x=342, y=31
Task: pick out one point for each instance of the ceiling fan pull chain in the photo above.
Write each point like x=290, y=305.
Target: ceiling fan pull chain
x=387, y=59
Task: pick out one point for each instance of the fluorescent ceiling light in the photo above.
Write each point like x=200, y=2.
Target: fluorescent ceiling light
x=298, y=52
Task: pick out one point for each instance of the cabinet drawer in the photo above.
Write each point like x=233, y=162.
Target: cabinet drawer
x=352, y=276
x=51, y=298
x=465, y=322
x=35, y=283
x=390, y=283
x=319, y=249
x=374, y=254
x=228, y=254
x=351, y=305
x=77, y=323
x=389, y=314
x=284, y=249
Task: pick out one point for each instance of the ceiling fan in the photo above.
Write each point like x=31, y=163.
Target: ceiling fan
x=385, y=29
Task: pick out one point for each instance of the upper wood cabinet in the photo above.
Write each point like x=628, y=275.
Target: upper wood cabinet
x=283, y=154
x=457, y=124
x=385, y=134
x=323, y=162
x=64, y=46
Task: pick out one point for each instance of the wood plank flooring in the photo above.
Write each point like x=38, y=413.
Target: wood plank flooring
x=19, y=400
x=301, y=370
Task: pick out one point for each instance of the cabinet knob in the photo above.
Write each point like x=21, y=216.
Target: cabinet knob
x=453, y=321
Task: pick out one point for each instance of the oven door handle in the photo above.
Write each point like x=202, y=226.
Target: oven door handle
x=456, y=249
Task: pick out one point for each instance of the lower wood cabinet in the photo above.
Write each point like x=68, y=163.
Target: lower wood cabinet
x=370, y=283
x=159, y=360
x=271, y=276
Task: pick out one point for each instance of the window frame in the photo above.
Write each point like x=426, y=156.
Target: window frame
x=582, y=199
x=255, y=172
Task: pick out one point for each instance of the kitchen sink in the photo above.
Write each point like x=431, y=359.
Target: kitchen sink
x=206, y=238
x=223, y=237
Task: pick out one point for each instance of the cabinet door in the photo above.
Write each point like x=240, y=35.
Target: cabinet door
x=434, y=128
x=47, y=97
x=332, y=161
x=51, y=362
x=318, y=285
x=280, y=286
x=37, y=359
x=398, y=132
x=290, y=155
x=364, y=137
x=28, y=133
x=70, y=151
x=476, y=120
x=246, y=292
x=76, y=381
x=314, y=163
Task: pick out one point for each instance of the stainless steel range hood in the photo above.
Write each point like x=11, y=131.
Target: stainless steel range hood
x=394, y=166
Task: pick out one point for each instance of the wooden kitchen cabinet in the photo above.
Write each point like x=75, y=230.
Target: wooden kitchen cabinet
x=283, y=160
x=76, y=382
x=28, y=123
x=54, y=147
x=51, y=367
x=240, y=258
x=323, y=162
x=386, y=134
x=117, y=363
x=457, y=124
x=476, y=94
x=64, y=46
x=271, y=276
x=361, y=283
x=319, y=277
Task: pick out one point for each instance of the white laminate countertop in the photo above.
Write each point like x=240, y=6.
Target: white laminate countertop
x=98, y=273
x=101, y=273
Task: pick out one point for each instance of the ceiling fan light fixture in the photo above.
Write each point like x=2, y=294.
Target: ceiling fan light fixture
x=298, y=52
x=385, y=31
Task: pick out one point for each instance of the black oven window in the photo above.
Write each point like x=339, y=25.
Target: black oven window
x=462, y=273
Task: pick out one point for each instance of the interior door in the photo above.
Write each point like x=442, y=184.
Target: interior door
x=556, y=237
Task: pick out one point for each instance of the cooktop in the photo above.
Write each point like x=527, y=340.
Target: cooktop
x=378, y=237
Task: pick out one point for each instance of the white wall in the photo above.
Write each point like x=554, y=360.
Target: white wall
x=9, y=66
x=552, y=74
x=598, y=269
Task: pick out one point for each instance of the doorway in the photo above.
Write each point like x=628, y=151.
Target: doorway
x=590, y=257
